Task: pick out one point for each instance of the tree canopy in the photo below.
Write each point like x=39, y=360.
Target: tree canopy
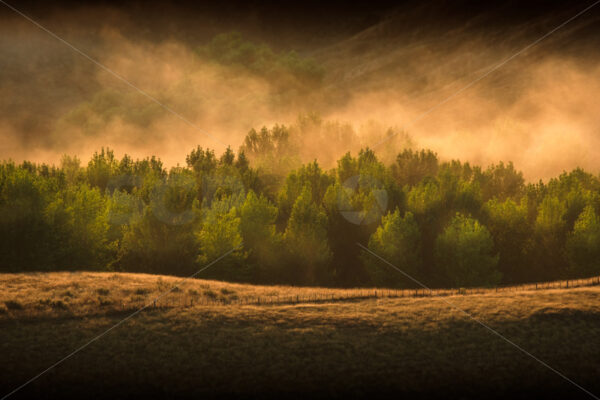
x=446, y=223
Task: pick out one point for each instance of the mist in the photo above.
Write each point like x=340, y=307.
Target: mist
x=538, y=110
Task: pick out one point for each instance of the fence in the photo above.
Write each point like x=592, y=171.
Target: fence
x=186, y=300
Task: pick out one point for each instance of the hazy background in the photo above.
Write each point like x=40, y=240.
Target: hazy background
x=380, y=65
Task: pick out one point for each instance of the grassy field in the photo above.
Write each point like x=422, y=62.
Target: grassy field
x=415, y=347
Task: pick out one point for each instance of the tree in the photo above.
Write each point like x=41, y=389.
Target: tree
x=261, y=240
x=233, y=50
x=355, y=203
x=101, y=168
x=71, y=166
x=201, y=161
x=512, y=233
x=412, y=167
x=25, y=236
x=80, y=226
x=425, y=198
x=300, y=227
x=161, y=238
x=464, y=254
x=583, y=245
x=154, y=246
x=502, y=181
x=310, y=175
x=347, y=167
x=305, y=239
x=347, y=224
x=550, y=235
x=397, y=240
x=220, y=234
x=271, y=150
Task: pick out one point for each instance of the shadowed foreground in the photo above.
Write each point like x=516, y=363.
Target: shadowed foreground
x=416, y=347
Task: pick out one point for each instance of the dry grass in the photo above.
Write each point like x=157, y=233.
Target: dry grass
x=416, y=347
x=28, y=295
x=88, y=293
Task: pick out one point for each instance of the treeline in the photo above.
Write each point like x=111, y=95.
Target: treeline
x=234, y=50
x=444, y=223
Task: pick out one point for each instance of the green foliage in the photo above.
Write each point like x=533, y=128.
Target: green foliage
x=271, y=150
x=412, y=167
x=425, y=199
x=220, y=233
x=260, y=238
x=459, y=189
x=100, y=168
x=107, y=105
x=464, y=254
x=397, y=240
x=25, y=235
x=513, y=238
x=362, y=193
x=452, y=224
x=201, y=161
x=151, y=245
x=80, y=225
x=161, y=237
x=71, y=167
x=309, y=175
x=173, y=199
x=550, y=234
x=501, y=181
x=231, y=49
x=305, y=239
x=583, y=245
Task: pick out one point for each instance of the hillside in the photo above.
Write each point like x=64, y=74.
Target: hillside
x=412, y=346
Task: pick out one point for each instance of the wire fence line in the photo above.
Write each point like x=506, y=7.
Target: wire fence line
x=181, y=300
x=226, y=297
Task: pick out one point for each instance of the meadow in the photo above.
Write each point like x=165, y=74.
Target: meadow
x=420, y=347
x=330, y=164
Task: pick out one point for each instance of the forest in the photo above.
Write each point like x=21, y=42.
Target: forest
x=287, y=221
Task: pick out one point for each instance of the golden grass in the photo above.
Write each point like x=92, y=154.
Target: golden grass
x=85, y=293
x=412, y=346
x=89, y=293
